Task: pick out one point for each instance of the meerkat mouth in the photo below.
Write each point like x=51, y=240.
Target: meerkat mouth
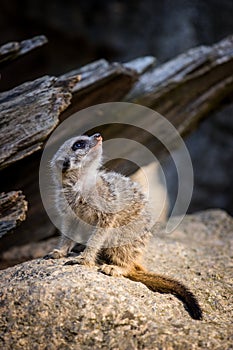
x=99, y=139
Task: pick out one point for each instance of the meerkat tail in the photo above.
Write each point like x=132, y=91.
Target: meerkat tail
x=163, y=284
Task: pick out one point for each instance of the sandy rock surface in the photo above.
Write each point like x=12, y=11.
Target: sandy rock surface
x=45, y=305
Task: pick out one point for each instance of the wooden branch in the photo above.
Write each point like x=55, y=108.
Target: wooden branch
x=141, y=64
x=29, y=113
x=101, y=82
x=14, y=50
x=188, y=87
x=13, y=208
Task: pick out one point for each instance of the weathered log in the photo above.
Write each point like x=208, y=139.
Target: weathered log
x=101, y=82
x=29, y=113
x=188, y=87
x=13, y=208
x=141, y=64
x=13, y=50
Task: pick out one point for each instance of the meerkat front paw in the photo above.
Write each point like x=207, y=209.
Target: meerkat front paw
x=55, y=254
x=81, y=260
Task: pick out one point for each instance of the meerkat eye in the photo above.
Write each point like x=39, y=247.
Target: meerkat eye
x=78, y=145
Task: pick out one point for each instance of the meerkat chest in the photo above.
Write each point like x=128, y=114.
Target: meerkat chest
x=113, y=200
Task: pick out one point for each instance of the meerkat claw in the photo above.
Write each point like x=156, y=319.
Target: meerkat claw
x=48, y=256
x=71, y=262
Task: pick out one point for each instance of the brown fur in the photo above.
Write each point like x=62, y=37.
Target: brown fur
x=116, y=214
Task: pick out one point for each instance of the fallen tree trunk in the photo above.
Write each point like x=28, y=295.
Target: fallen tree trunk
x=101, y=82
x=190, y=86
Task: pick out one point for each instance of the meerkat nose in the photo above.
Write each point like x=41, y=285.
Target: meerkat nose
x=98, y=137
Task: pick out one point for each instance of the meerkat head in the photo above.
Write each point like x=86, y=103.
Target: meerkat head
x=79, y=152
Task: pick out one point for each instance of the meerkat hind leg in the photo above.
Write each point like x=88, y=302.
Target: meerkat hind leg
x=113, y=270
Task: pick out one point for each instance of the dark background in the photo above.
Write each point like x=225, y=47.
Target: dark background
x=83, y=31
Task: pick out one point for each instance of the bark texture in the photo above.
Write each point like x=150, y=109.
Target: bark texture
x=13, y=208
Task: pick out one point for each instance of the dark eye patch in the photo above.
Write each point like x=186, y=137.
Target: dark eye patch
x=79, y=145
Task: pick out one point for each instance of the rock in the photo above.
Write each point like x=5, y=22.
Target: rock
x=46, y=305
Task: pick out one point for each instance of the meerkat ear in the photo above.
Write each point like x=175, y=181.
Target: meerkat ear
x=61, y=163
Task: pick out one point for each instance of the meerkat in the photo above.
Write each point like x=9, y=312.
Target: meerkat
x=116, y=215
